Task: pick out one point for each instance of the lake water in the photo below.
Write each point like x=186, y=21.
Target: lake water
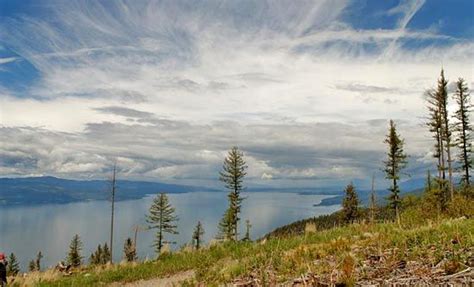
x=49, y=228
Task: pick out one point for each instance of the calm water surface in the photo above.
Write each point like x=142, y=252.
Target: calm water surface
x=49, y=228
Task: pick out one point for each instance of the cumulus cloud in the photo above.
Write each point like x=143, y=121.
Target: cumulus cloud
x=181, y=151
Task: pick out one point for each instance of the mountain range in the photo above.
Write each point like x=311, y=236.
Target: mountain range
x=49, y=189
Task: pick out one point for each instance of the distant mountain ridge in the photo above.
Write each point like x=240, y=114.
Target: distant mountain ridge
x=412, y=186
x=49, y=189
x=364, y=197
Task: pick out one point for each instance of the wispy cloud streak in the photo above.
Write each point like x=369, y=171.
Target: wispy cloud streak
x=178, y=82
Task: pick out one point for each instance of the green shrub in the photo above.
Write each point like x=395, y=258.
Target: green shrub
x=412, y=217
x=460, y=206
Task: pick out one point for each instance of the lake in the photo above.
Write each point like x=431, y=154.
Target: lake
x=49, y=228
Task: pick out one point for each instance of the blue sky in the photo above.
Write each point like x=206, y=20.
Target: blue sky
x=305, y=88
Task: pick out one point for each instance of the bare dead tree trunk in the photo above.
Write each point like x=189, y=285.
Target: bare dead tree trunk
x=450, y=169
x=373, y=201
x=113, y=186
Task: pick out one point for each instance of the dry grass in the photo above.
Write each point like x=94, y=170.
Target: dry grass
x=338, y=255
x=34, y=278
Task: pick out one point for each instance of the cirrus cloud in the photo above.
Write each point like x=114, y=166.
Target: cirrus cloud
x=168, y=86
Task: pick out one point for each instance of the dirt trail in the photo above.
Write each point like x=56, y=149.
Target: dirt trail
x=170, y=281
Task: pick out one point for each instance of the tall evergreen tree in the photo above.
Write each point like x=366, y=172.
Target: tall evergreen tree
x=197, y=235
x=129, y=250
x=396, y=161
x=74, y=255
x=162, y=218
x=463, y=129
x=350, y=204
x=232, y=175
x=13, y=267
x=39, y=256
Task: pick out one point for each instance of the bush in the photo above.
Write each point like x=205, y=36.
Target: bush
x=467, y=191
x=413, y=216
x=460, y=206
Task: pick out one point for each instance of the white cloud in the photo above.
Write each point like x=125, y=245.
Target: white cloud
x=188, y=83
x=266, y=176
x=407, y=8
x=7, y=60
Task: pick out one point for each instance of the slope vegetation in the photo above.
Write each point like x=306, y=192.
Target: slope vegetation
x=437, y=252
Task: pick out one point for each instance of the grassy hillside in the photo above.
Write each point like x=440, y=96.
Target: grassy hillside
x=367, y=253
x=427, y=246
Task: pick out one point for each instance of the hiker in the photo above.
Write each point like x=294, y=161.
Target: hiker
x=3, y=270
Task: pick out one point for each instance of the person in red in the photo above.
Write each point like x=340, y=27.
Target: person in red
x=3, y=270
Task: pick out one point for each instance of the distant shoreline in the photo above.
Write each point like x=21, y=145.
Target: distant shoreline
x=333, y=200
x=36, y=191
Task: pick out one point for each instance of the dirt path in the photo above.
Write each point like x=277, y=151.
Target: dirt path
x=170, y=281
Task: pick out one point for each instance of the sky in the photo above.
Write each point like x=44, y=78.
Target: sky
x=165, y=88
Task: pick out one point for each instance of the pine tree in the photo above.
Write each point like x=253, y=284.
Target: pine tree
x=106, y=254
x=35, y=265
x=396, y=161
x=197, y=235
x=232, y=175
x=226, y=228
x=440, y=196
x=162, y=218
x=74, y=256
x=129, y=251
x=32, y=266
x=247, y=231
x=96, y=256
x=93, y=259
x=350, y=204
x=13, y=267
x=39, y=256
x=462, y=127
